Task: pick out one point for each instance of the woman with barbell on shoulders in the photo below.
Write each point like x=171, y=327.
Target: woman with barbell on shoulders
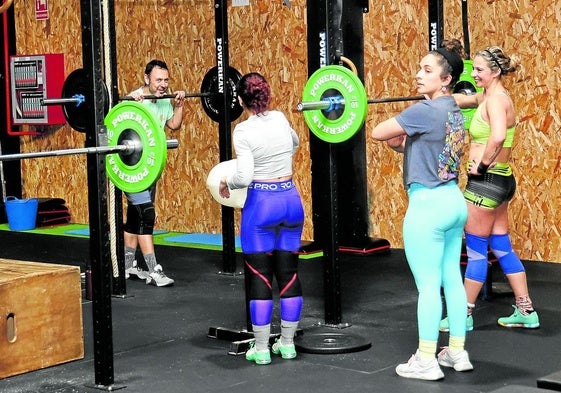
x=430, y=134
x=272, y=217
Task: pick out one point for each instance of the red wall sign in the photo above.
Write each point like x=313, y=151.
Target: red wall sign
x=41, y=9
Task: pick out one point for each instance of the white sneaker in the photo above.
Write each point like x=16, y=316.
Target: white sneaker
x=419, y=368
x=136, y=272
x=459, y=360
x=159, y=278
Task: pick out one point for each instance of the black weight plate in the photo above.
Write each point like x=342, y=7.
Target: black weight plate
x=330, y=343
x=214, y=103
x=77, y=116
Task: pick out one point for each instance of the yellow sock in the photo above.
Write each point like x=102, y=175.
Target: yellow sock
x=456, y=344
x=427, y=349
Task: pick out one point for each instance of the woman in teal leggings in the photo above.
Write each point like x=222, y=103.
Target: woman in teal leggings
x=430, y=134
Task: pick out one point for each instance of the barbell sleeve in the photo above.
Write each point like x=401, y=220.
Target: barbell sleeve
x=128, y=147
x=76, y=99
x=313, y=105
x=172, y=143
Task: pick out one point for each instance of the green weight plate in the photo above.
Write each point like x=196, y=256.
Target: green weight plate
x=214, y=104
x=338, y=125
x=77, y=116
x=133, y=121
x=466, y=85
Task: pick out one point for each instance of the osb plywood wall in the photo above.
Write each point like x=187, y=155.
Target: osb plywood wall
x=523, y=28
x=270, y=38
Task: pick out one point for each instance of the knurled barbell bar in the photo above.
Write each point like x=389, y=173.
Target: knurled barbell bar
x=77, y=97
x=154, y=97
x=334, y=103
x=136, y=148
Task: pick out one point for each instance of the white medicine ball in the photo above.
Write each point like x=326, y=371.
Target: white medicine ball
x=225, y=168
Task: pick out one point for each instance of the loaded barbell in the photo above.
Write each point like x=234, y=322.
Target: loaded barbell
x=136, y=148
x=334, y=103
x=77, y=97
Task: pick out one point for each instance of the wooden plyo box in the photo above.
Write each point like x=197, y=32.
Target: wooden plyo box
x=41, y=316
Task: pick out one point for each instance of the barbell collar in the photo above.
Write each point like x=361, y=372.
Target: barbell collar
x=127, y=147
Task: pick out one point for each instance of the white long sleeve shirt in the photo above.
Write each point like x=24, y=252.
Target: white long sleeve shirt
x=264, y=146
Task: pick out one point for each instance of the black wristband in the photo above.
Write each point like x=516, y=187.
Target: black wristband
x=482, y=168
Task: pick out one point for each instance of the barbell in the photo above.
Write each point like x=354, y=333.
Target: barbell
x=77, y=97
x=334, y=103
x=136, y=148
x=154, y=97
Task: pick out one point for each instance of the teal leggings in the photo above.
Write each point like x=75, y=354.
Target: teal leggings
x=432, y=235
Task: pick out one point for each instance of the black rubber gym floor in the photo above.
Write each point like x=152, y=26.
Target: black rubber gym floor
x=160, y=341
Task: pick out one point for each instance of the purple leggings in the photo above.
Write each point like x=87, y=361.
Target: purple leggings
x=272, y=218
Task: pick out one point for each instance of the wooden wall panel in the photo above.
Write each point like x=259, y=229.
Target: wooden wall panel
x=189, y=49
x=270, y=38
x=522, y=28
x=395, y=39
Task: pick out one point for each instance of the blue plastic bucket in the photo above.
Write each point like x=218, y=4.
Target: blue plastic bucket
x=22, y=213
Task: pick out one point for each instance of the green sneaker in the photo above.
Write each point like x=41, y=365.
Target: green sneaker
x=445, y=326
x=259, y=357
x=517, y=319
x=286, y=351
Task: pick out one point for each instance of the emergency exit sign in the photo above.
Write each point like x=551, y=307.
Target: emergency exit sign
x=41, y=9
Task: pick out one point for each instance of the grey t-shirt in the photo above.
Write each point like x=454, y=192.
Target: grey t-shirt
x=435, y=138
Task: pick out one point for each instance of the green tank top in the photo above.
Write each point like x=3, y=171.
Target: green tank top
x=480, y=130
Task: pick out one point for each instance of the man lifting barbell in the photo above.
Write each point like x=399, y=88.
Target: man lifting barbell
x=141, y=214
x=140, y=187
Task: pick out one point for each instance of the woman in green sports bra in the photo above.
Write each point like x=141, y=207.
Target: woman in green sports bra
x=490, y=187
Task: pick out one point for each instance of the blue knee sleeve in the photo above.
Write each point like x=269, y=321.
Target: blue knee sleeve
x=261, y=312
x=477, y=265
x=502, y=248
x=291, y=308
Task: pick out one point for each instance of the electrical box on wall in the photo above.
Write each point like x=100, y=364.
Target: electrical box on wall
x=32, y=79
